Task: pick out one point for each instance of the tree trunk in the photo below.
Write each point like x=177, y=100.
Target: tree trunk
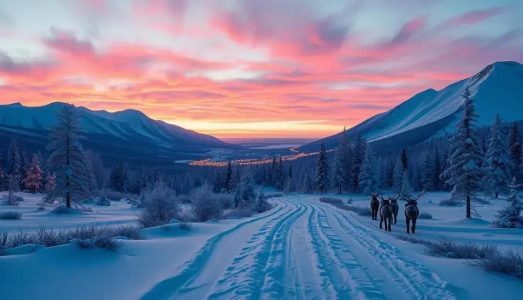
x=468, y=207
x=497, y=195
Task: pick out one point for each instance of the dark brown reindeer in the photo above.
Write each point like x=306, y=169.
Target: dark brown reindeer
x=412, y=212
x=374, y=205
x=395, y=208
x=386, y=214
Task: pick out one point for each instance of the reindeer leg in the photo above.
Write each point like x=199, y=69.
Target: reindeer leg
x=381, y=222
x=390, y=224
x=414, y=226
x=408, y=224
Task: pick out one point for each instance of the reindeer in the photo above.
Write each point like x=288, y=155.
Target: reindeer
x=395, y=208
x=386, y=214
x=412, y=212
x=374, y=205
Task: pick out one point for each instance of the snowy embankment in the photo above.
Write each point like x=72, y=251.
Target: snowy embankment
x=301, y=249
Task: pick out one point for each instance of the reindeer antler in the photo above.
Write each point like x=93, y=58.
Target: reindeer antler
x=420, y=195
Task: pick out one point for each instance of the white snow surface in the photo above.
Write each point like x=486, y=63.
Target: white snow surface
x=301, y=249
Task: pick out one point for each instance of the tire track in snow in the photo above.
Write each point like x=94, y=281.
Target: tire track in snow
x=358, y=280
x=416, y=279
x=253, y=261
x=192, y=268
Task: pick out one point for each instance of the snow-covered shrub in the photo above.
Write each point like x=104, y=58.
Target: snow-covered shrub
x=510, y=263
x=449, y=202
x=451, y=249
x=62, y=210
x=160, y=206
x=10, y=215
x=510, y=217
x=12, y=200
x=85, y=237
x=425, y=216
x=261, y=204
x=115, y=195
x=206, y=205
x=331, y=200
x=103, y=201
x=239, y=213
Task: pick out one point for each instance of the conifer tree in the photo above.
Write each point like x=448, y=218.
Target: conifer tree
x=33, y=177
x=67, y=158
x=510, y=217
x=118, y=178
x=322, y=171
x=515, y=152
x=368, y=176
x=427, y=180
x=497, y=161
x=340, y=176
x=463, y=171
x=228, y=184
x=14, y=165
x=50, y=183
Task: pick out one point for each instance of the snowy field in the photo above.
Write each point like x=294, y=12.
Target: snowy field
x=301, y=249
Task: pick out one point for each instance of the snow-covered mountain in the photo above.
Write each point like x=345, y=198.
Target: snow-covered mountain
x=127, y=135
x=497, y=89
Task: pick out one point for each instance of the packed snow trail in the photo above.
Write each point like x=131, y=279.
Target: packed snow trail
x=302, y=249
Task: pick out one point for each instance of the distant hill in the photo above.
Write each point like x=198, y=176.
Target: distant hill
x=497, y=89
x=125, y=136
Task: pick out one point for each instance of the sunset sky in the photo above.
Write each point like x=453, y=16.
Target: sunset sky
x=253, y=68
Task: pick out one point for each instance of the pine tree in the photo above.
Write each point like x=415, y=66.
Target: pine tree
x=510, y=217
x=497, y=161
x=33, y=178
x=404, y=190
x=427, y=180
x=463, y=171
x=515, y=152
x=228, y=184
x=118, y=178
x=322, y=171
x=67, y=158
x=404, y=159
x=398, y=175
x=348, y=165
x=340, y=176
x=368, y=177
x=279, y=178
x=437, y=171
x=14, y=164
x=358, y=155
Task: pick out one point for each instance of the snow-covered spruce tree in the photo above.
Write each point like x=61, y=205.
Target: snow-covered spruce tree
x=368, y=175
x=404, y=191
x=510, y=217
x=347, y=168
x=463, y=172
x=398, y=175
x=515, y=152
x=245, y=194
x=322, y=171
x=14, y=164
x=118, y=178
x=340, y=165
x=33, y=177
x=436, y=182
x=358, y=154
x=404, y=159
x=228, y=181
x=427, y=176
x=279, y=176
x=498, y=164
x=67, y=159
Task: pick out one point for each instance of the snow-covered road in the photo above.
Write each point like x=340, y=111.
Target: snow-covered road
x=303, y=249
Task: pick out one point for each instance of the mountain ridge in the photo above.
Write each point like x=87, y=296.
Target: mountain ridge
x=433, y=113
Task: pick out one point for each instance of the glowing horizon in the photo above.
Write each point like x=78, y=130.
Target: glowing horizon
x=300, y=69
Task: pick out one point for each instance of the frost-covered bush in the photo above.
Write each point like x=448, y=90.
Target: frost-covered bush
x=509, y=263
x=10, y=215
x=103, y=201
x=331, y=200
x=261, y=204
x=160, y=206
x=452, y=249
x=185, y=226
x=206, y=205
x=85, y=236
x=510, y=217
x=425, y=216
x=12, y=200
